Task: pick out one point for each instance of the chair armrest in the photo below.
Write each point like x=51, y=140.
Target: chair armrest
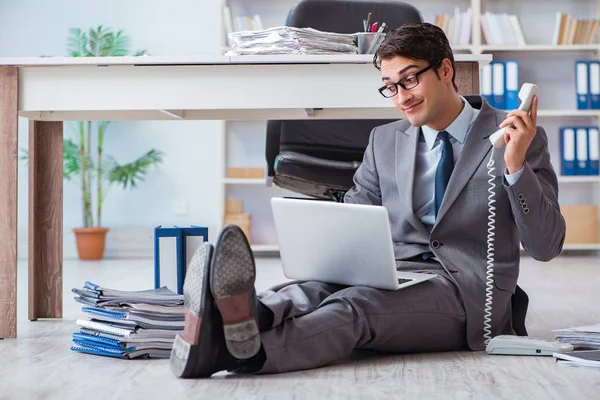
x=272, y=143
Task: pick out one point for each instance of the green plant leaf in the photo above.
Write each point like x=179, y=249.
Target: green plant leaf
x=99, y=42
x=77, y=43
x=71, y=166
x=117, y=45
x=128, y=175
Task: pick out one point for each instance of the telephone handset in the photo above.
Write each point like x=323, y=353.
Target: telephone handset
x=526, y=94
x=503, y=344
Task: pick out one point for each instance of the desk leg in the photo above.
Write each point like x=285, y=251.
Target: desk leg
x=45, y=219
x=9, y=83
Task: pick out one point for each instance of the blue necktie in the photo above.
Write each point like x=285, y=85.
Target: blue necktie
x=444, y=169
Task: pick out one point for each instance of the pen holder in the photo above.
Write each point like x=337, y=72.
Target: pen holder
x=368, y=42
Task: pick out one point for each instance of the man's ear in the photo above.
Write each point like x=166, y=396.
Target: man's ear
x=445, y=69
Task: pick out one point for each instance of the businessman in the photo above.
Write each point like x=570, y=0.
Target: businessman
x=429, y=171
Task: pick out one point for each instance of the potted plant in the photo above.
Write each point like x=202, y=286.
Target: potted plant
x=84, y=157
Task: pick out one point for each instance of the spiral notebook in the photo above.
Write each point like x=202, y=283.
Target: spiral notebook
x=128, y=319
x=92, y=341
x=122, y=353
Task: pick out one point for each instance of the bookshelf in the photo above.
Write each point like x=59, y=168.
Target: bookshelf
x=538, y=48
x=551, y=66
x=244, y=181
x=578, y=179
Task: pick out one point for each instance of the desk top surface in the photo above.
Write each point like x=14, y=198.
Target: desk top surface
x=208, y=60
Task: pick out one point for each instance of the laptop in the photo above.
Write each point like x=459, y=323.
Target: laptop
x=347, y=244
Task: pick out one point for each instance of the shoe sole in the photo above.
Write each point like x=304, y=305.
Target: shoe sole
x=232, y=283
x=188, y=351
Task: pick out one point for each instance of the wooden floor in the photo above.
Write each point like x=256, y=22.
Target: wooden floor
x=565, y=292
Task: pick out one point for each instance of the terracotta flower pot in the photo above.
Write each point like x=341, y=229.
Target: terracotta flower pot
x=90, y=242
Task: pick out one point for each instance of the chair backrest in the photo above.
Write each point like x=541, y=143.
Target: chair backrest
x=346, y=16
x=341, y=140
x=335, y=140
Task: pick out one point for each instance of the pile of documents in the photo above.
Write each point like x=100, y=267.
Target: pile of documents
x=290, y=40
x=128, y=324
x=586, y=340
x=579, y=358
x=580, y=336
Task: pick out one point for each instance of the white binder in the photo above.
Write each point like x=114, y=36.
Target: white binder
x=581, y=138
x=486, y=82
x=498, y=85
x=581, y=83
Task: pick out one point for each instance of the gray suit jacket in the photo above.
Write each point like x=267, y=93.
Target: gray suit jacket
x=526, y=213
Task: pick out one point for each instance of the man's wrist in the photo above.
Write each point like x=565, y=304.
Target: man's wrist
x=514, y=168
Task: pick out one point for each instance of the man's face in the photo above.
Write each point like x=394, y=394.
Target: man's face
x=421, y=104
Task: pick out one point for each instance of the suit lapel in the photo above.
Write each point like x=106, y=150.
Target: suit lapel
x=406, y=154
x=474, y=150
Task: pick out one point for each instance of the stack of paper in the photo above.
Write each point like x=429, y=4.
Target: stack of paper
x=581, y=336
x=291, y=40
x=128, y=324
x=581, y=358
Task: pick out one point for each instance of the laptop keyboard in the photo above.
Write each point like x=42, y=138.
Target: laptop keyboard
x=403, y=280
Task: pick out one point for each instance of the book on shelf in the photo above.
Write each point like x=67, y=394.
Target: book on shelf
x=568, y=30
x=502, y=29
x=240, y=22
x=458, y=27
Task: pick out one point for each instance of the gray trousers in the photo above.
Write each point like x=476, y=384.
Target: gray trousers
x=316, y=324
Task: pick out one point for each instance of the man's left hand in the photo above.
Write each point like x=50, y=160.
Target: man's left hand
x=518, y=135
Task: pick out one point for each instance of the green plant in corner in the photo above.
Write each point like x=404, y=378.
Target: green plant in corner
x=85, y=158
x=80, y=158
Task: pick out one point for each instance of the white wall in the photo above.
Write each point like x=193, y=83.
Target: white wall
x=31, y=28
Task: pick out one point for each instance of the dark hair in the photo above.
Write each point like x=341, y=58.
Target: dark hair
x=417, y=41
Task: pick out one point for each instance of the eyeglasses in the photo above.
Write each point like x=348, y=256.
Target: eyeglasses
x=408, y=82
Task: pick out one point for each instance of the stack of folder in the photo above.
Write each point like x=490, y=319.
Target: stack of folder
x=580, y=150
x=290, y=40
x=500, y=84
x=128, y=324
x=587, y=84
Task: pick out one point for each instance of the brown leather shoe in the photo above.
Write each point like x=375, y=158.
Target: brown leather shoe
x=232, y=284
x=199, y=351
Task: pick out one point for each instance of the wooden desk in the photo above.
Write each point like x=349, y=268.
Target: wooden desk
x=51, y=90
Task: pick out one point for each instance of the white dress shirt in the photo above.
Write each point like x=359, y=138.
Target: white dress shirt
x=429, y=153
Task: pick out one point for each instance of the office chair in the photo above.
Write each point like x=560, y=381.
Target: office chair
x=318, y=158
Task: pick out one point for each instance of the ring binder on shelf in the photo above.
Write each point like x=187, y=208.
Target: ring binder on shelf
x=582, y=85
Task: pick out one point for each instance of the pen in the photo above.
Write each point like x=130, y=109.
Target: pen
x=365, y=24
x=368, y=21
x=381, y=28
